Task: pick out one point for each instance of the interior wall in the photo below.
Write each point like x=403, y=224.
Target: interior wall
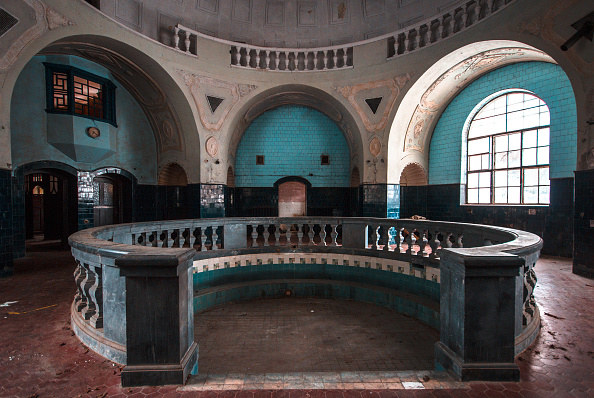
x=292, y=139
x=547, y=81
x=38, y=135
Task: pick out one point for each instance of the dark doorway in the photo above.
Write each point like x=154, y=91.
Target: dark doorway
x=112, y=199
x=50, y=206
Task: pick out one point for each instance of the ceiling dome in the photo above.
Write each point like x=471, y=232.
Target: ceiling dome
x=276, y=23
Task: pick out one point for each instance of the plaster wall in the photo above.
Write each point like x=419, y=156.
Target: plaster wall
x=38, y=135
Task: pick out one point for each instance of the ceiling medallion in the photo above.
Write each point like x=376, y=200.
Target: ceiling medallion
x=93, y=132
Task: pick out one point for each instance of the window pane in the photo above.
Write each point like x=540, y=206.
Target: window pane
x=543, y=195
x=473, y=196
x=529, y=157
x=529, y=138
x=60, y=88
x=474, y=162
x=515, y=101
x=513, y=194
x=545, y=118
x=478, y=146
x=501, y=178
x=484, y=180
x=473, y=180
x=514, y=159
x=486, y=161
x=543, y=178
x=531, y=194
x=501, y=160
x=543, y=137
x=484, y=195
x=530, y=177
x=543, y=155
x=513, y=178
x=515, y=121
x=500, y=195
x=515, y=141
x=501, y=143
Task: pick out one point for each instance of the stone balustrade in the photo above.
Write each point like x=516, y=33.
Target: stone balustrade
x=134, y=297
x=422, y=34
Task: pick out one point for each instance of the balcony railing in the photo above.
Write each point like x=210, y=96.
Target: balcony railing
x=134, y=283
x=423, y=34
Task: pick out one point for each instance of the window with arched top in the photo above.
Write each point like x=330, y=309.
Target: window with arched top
x=508, y=151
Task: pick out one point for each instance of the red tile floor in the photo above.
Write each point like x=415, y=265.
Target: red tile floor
x=40, y=356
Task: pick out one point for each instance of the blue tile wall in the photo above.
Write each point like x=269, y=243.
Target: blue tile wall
x=292, y=139
x=548, y=81
x=6, y=238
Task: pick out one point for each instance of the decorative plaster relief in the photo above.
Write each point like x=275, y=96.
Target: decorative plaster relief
x=452, y=82
x=389, y=90
x=375, y=146
x=45, y=18
x=212, y=146
x=203, y=86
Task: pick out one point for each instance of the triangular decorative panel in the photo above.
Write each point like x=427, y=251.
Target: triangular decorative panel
x=214, y=102
x=373, y=103
x=7, y=21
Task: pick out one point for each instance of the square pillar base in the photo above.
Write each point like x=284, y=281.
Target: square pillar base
x=446, y=359
x=158, y=375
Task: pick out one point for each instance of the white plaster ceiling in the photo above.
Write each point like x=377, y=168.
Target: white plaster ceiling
x=276, y=23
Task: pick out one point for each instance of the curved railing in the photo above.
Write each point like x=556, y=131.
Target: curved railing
x=134, y=283
x=422, y=34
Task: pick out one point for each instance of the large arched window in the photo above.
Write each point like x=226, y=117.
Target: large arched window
x=508, y=151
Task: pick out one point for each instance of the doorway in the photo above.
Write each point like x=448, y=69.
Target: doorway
x=112, y=199
x=292, y=199
x=50, y=206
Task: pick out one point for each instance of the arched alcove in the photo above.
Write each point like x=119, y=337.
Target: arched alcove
x=173, y=174
x=413, y=175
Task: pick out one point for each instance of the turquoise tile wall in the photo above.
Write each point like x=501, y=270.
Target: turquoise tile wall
x=292, y=139
x=548, y=81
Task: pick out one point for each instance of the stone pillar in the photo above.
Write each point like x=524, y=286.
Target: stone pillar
x=159, y=318
x=478, y=315
x=6, y=236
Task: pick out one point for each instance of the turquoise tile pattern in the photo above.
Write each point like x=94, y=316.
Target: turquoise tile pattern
x=292, y=140
x=547, y=81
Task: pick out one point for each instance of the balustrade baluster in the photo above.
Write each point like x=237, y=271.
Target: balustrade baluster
x=434, y=244
x=277, y=235
x=164, y=238
x=345, y=57
x=255, y=236
x=335, y=58
x=407, y=42
x=458, y=242
x=325, y=59
x=276, y=59
x=416, y=40
x=288, y=234
x=323, y=234
x=187, y=42
x=267, y=60
x=300, y=234
x=235, y=55
x=215, y=238
x=463, y=19
x=439, y=30
x=334, y=234
x=266, y=234
x=89, y=310
x=310, y=234
x=175, y=238
x=422, y=41
x=96, y=296
x=257, y=59
x=422, y=242
x=80, y=274
x=410, y=241
x=386, y=247
x=203, y=238
x=176, y=37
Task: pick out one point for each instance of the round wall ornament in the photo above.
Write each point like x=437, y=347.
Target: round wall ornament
x=93, y=132
x=212, y=146
x=375, y=146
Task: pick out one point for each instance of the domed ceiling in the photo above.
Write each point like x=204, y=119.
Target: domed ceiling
x=275, y=23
